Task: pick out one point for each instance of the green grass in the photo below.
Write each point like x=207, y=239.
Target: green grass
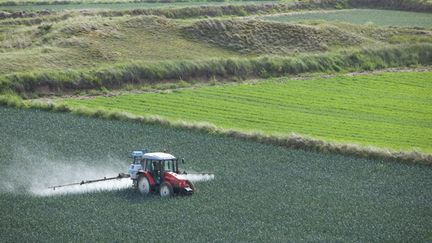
x=71, y=42
x=94, y=41
x=410, y=5
x=385, y=110
x=361, y=16
x=295, y=195
x=257, y=36
x=127, y=6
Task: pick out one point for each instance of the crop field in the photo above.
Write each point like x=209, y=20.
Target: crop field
x=260, y=192
x=392, y=110
x=126, y=5
x=360, y=16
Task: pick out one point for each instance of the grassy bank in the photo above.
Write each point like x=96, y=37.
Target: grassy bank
x=144, y=73
x=122, y=6
x=391, y=111
x=88, y=52
x=60, y=5
x=309, y=193
x=65, y=2
x=169, y=10
x=94, y=41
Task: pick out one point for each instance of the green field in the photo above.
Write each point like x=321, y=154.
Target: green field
x=385, y=110
x=260, y=193
x=360, y=16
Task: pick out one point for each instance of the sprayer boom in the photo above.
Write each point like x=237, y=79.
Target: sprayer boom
x=120, y=176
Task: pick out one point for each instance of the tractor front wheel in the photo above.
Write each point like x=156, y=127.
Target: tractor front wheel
x=166, y=190
x=143, y=185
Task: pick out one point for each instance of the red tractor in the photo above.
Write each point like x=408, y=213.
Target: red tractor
x=151, y=173
x=158, y=173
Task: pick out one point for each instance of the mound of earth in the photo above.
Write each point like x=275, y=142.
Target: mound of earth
x=258, y=36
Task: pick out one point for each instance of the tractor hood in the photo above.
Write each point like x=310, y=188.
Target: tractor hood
x=173, y=176
x=179, y=183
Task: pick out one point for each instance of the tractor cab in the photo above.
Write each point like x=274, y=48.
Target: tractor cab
x=158, y=164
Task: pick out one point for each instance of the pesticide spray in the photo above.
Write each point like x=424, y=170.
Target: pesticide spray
x=32, y=173
x=197, y=178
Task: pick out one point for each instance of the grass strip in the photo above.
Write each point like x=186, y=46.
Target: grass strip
x=294, y=141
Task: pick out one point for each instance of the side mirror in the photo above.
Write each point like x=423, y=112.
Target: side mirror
x=183, y=161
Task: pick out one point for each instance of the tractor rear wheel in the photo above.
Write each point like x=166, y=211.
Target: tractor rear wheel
x=166, y=190
x=143, y=185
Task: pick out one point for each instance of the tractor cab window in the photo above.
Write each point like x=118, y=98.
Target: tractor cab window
x=168, y=165
x=151, y=165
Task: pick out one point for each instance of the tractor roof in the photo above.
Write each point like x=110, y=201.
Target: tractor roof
x=158, y=156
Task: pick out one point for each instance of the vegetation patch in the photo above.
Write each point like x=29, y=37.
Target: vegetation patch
x=172, y=10
x=268, y=37
x=360, y=16
x=95, y=41
x=410, y=5
x=144, y=73
x=83, y=44
x=393, y=109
